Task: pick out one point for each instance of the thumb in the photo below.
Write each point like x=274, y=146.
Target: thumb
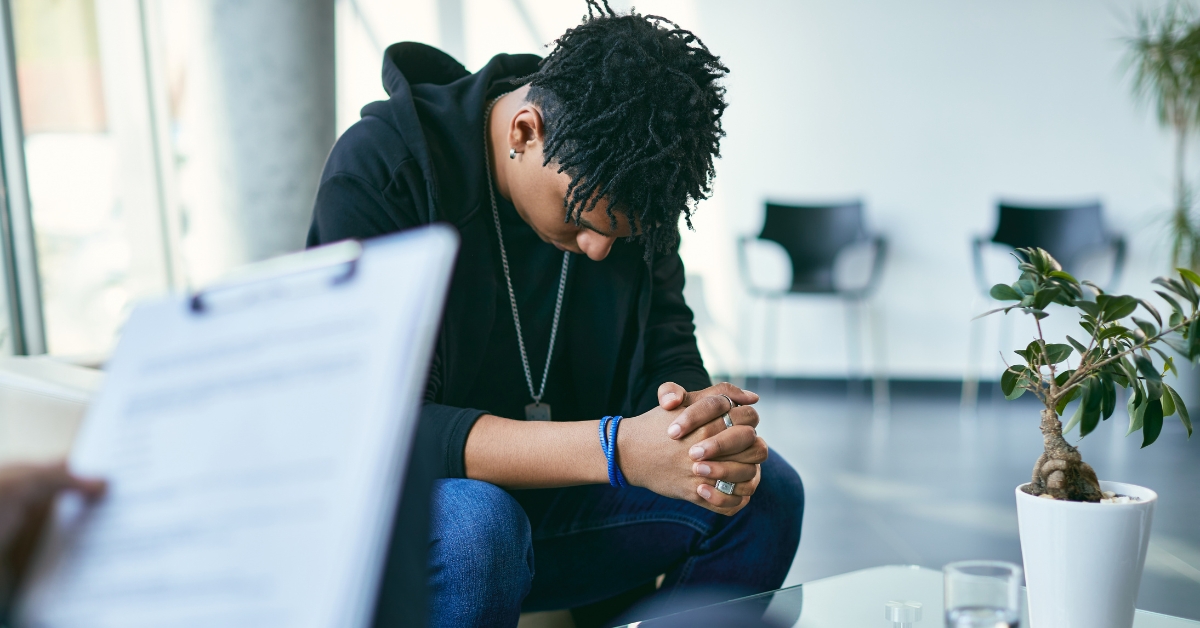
x=670, y=395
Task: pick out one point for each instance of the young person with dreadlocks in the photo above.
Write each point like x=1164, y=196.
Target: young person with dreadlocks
x=567, y=178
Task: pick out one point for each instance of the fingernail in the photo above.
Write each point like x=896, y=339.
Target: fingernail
x=674, y=430
x=696, y=452
x=705, y=492
x=750, y=393
x=668, y=397
x=702, y=469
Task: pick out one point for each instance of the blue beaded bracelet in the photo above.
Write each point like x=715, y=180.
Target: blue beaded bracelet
x=608, y=444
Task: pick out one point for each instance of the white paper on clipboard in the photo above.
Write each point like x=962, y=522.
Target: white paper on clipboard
x=255, y=440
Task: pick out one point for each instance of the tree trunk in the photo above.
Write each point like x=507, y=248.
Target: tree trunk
x=1060, y=471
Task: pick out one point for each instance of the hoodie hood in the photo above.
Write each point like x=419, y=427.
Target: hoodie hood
x=437, y=107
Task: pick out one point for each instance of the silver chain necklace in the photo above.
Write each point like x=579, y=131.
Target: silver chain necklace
x=536, y=411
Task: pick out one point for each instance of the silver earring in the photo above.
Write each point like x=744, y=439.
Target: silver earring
x=512, y=153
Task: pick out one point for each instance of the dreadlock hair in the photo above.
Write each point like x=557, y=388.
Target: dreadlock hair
x=632, y=110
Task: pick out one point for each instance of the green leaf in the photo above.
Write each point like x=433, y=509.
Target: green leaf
x=1168, y=362
x=1066, y=399
x=1056, y=353
x=1130, y=371
x=1136, y=414
x=1152, y=422
x=1108, y=396
x=1111, y=331
x=1002, y=292
x=1153, y=390
x=1088, y=306
x=1168, y=401
x=1193, y=338
x=1169, y=299
x=1181, y=409
x=1120, y=307
x=1077, y=416
x=1177, y=344
x=1060, y=274
x=1150, y=308
x=1091, y=407
x=1045, y=297
x=1175, y=320
x=1146, y=368
x=1078, y=345
x=1025, y=287
x=1172, y=285
x=1147, y=327
x=1008, y=382
x=1189, y=275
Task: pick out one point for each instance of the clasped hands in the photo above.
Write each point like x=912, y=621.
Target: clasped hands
x=681, y=448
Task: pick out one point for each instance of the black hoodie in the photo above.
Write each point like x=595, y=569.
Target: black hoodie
x=417, y=158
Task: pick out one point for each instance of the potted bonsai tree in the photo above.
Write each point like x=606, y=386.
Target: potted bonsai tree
x=1084, y=540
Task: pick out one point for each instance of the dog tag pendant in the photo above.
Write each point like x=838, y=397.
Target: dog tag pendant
x=537, y=412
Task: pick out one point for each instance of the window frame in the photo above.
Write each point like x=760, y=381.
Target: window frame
x=19, y=279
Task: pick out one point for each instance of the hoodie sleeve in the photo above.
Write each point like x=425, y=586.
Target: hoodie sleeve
x=348, y=206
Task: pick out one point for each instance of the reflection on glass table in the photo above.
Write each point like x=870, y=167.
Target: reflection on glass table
x=855, y=600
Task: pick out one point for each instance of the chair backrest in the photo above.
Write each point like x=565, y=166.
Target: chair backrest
x=813, y=235
x=1068, y=232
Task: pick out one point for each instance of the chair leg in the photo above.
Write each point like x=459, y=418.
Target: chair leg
x=770, y=333
x=880, y=392
x=1003, y=338
x=969, y=401
x=854, y=344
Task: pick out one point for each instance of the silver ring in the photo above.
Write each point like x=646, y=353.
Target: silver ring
x=725, y=487
x=728, y=421
x=732, y=405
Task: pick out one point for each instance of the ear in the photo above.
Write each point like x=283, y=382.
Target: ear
x=526, y=132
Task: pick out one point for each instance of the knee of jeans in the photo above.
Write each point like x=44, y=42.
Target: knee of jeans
x=780, y=499
x=480, y=532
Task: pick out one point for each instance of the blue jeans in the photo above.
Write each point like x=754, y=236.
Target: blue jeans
x=495, y=553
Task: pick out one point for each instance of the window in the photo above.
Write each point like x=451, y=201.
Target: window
x=96, y=197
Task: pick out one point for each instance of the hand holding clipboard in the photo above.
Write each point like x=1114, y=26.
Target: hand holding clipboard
x=254, y=437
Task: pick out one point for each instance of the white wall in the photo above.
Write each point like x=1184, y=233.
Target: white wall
x=929, y=110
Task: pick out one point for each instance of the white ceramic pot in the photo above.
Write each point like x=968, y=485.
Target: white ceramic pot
x=1083, y=562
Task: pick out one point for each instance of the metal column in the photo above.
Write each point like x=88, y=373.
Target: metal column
x=260, y=114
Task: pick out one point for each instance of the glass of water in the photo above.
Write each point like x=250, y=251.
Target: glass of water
x=982, y=594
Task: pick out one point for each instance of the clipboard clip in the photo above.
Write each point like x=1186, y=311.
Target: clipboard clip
x=337, y=262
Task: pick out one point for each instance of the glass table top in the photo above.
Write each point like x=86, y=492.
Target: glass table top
x=856, y=600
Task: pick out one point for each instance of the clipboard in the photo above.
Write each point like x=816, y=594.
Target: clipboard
x=255, y=437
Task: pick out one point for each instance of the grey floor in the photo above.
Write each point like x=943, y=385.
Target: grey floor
x=921, y=485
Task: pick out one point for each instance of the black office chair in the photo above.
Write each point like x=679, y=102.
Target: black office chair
x=1071, y=233
x=813, y=236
